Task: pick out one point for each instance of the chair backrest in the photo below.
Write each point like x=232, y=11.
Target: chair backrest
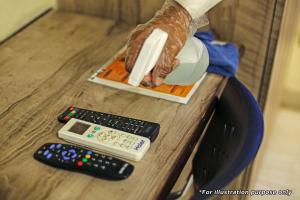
x=231, y=141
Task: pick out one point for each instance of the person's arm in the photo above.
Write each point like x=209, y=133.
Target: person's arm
x=175, y=18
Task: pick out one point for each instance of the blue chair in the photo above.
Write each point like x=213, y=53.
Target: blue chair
x=230, y=143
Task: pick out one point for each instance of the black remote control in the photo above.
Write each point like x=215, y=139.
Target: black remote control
x=78, y=159
x=138, y=127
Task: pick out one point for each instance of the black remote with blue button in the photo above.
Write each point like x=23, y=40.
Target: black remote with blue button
x=78, y=159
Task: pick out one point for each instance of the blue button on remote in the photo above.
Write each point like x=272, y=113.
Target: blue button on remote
x=46, y=152
x=89, y=152
x=72, y=151
x=64, y=153
x=49, y=156
x=66, y=158
x=58, y=146
x=52, y=146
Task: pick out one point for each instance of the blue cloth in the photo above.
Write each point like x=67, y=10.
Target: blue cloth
x=223, y=59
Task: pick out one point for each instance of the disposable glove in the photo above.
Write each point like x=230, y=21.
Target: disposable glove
x=173, y=19
x=180, y=19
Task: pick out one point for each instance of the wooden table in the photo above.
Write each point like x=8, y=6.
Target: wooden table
x=44, y=69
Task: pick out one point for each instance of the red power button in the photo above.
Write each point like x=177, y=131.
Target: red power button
x=67, y=117
x=79, y=163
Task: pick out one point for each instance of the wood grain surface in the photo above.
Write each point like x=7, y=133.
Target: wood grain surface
x=44, y=69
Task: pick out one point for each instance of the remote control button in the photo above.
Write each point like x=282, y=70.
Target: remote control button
x=127, y=147
x=39, y=152
x=129, y=137
x=88, y=156
x=116, y=143
x=114, y=164
x=89, y=152
x=97, y=128
x=67, y=118
x=103, y=167
x=71, y=108
x=46, y=152
x=84, y=160
x=69, y=154
x=90, y=135
x=72, y=151
x=58, y=146
x=64, y=153
x=66, y=158
x=123, y=168
x=93, y=159
x=109, y=158
x=96, y=165
x=79, y=163
x=52, y=146
x=49, y=156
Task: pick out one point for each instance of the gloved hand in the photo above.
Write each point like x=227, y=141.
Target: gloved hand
x=174, y=20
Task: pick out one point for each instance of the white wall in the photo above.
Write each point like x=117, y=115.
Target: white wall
x=16, y=13
x=282, y=76
x=291, y=90
x=293, y=76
